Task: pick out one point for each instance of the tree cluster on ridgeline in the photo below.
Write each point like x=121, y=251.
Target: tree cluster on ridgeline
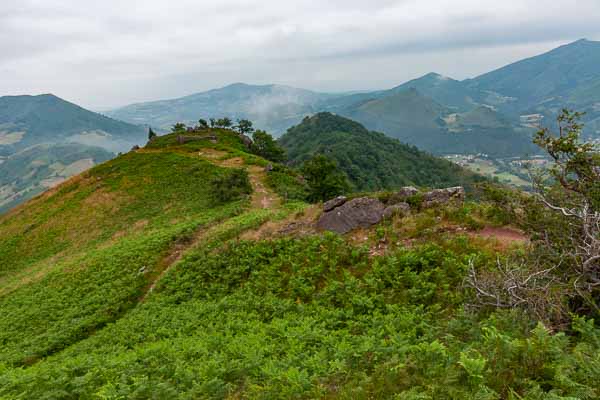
x=320, y=174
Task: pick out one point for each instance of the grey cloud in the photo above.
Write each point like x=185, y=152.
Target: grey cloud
x=114, y=52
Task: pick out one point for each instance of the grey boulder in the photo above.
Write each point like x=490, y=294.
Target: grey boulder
x=401, y=195
x=333, y=203
x=362, y=212
x=444, y=196
x=396, y=209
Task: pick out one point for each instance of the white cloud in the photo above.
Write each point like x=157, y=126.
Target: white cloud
x=115, y=52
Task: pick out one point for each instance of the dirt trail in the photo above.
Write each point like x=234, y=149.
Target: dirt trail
x=505, y=236
x=262, y=198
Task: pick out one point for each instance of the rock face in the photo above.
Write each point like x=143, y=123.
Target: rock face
x=246, y=140
x=333, y=203
x=361, y=212
x=342, y=216
x=401, y=195
x=443, y=196
x=396, y=209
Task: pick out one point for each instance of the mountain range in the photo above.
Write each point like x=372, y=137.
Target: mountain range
x=495, y=113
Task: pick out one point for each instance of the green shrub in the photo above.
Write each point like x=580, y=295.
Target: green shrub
x=230, y=185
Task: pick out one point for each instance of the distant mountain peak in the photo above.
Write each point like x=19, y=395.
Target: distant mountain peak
x=435, y=75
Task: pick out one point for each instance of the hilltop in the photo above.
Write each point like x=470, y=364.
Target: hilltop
x=178, y=271
x=371, y=160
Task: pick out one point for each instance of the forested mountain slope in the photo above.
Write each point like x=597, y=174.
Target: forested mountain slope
x=371, y=160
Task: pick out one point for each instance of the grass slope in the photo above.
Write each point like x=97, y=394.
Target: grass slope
x=178, y=306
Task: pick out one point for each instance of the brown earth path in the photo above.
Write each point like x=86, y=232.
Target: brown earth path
x=505, y=236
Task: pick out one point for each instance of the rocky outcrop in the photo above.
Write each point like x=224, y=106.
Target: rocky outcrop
x=333, y=203
x=396, y=209
x=403, y=194
x=443, y=196
x=342, y=215
x=362, y=212
x=246, y=140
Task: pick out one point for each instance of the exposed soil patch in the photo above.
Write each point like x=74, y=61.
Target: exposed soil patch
x=262, y=197
x=212, y=153
x=235, y=162
x=505, y=236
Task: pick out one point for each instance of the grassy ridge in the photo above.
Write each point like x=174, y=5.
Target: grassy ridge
x=134, y=190
x=81, y=256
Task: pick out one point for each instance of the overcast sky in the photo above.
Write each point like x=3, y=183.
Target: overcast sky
x=108, y=53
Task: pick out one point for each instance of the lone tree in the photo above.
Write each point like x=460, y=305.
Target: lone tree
x=265, y=146
x=244, y=126
x=324, y=179
x=575, y=198
x=562, y=273
x=151, y=134
x=178, y=127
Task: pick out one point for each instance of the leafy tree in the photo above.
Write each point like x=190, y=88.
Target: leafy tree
x=202, y=124
x=178, y=127
x=151, y=134
x=324, y=179
x=562, y=274
x=244, y=126
x=213, y=122
x=224, y=123
x=265, y=146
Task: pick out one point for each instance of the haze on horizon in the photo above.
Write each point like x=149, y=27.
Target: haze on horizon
x=115, y=53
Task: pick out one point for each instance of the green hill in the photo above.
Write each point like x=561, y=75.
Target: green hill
x=371, y=160
x=418, y=120
x=31, y=120
x=34, y=170
x=158, y=275
x=453, y=94
x=555, y=74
